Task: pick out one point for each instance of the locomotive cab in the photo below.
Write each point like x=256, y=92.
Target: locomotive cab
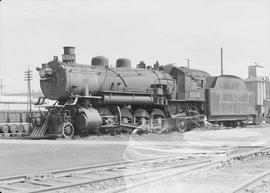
x=189, y=99
x=190, y=83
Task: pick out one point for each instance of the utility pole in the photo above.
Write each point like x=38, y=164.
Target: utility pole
x=28, y=77
x=221, y=61
x=188, y=61
x=1, y=86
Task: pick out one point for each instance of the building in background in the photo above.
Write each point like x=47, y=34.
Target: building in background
x=261, y=87
x=14, y=107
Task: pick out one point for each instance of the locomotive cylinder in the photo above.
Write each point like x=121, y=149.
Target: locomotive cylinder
x=88, y=120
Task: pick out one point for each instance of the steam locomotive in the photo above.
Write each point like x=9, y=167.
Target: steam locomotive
x=101, y=98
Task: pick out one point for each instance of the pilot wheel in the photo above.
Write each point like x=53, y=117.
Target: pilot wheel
x=67, y=130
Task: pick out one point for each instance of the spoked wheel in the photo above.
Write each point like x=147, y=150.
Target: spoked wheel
x=126, y=120
x=143, y=124
x=157, y=120
x=141, y=120
x=67, y=130
x=141, y=116
x=157, y=117
x=126, y=116
x=107, y=116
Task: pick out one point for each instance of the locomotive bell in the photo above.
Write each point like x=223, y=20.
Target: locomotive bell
x=88, y=120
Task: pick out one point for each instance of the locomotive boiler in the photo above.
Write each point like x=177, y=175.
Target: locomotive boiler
x=101, y=98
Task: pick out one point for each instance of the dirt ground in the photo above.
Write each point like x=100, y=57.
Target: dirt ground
x=32, y=156
x=220, y=179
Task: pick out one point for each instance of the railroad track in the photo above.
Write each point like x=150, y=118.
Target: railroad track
x=204, y=166
x=252, y=182
x=113, y=177
x=68, y=178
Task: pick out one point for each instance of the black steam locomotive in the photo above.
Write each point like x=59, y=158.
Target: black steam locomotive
x=101, y=98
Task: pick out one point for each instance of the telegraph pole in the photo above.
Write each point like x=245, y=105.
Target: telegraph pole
x=28, y=77
x=188, y=61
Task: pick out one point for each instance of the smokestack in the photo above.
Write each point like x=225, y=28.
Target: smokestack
x=69, y=55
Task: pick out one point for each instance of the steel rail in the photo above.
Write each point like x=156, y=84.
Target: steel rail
x=17, y=178
x=188, y=170
x=84, y=182
x=251, y=182
x=77, y=170
x=171, y=172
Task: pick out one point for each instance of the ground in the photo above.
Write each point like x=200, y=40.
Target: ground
x=32, y=156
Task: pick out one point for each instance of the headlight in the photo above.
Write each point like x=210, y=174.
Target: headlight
x=49, y=71
x=42, y=73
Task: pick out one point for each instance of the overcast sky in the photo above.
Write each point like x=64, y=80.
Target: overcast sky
x=33, y=31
